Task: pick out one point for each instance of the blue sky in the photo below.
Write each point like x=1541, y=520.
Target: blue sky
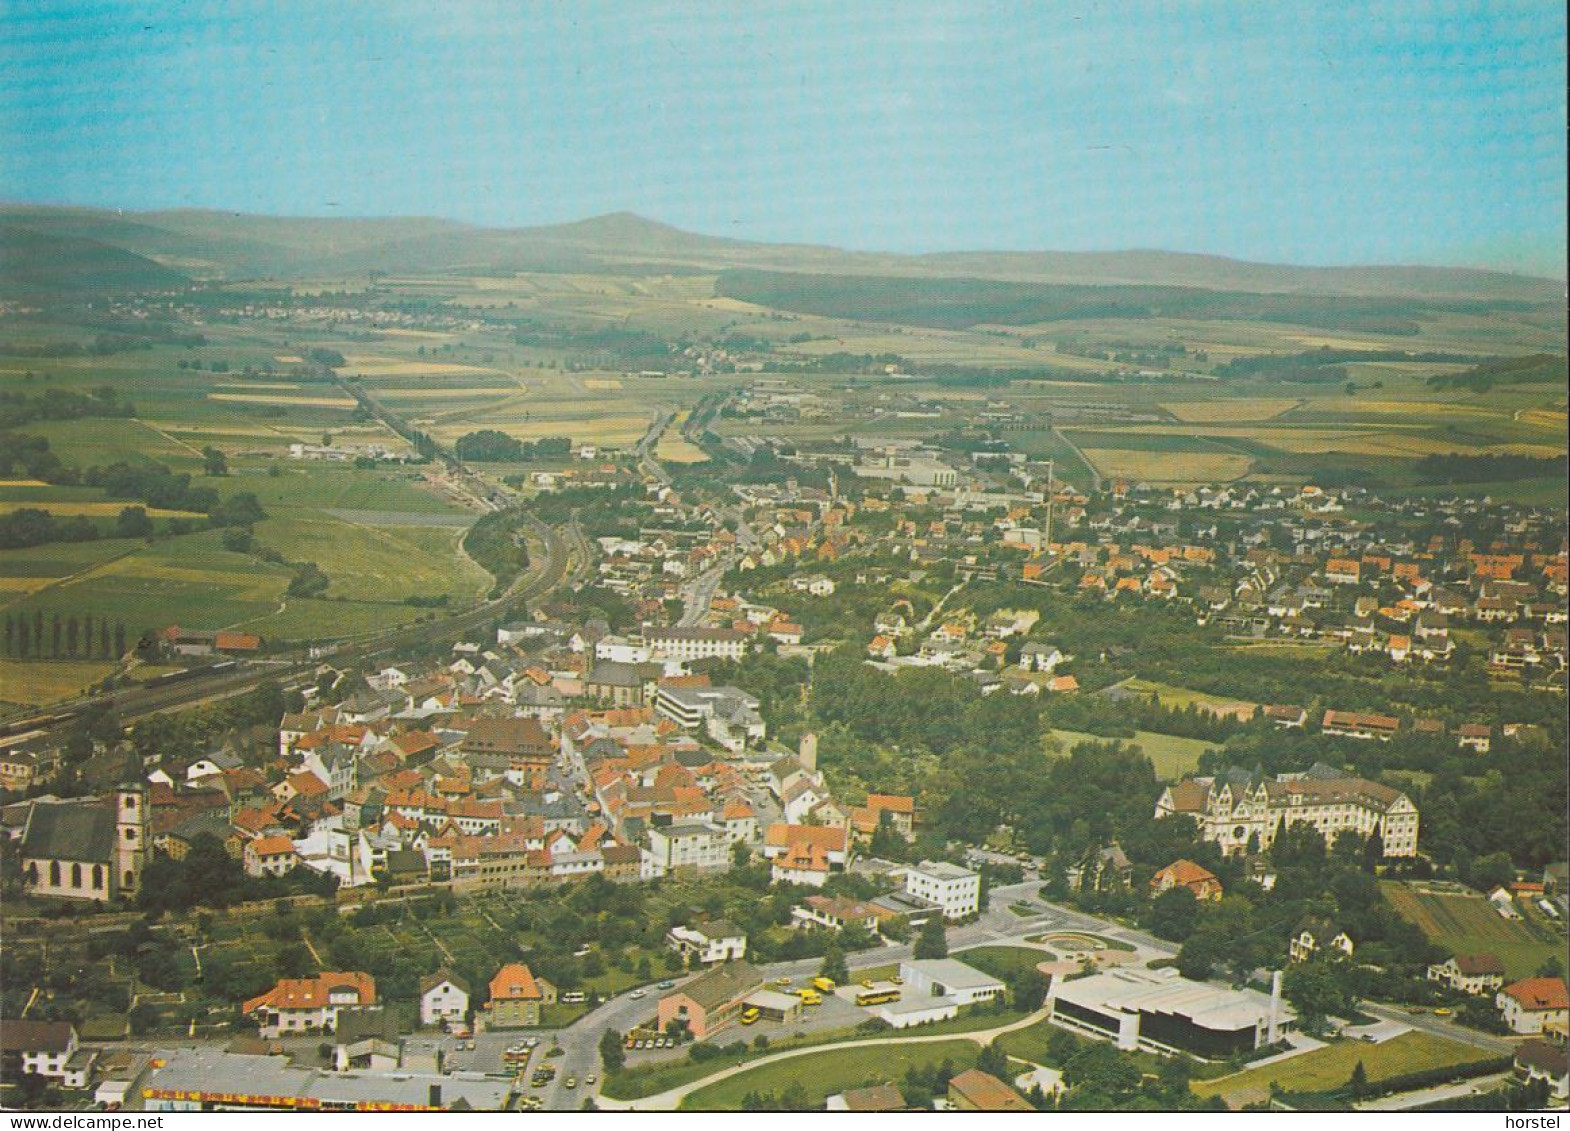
x=1296, y=132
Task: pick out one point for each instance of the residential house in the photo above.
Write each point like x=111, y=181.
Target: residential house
x=308, y=1005
x=1475, y=974
x=708, y=943
x=444, y=997
x=975, y=1090
x=1534, y=1005
x=1550, y=1063
x=517, y=997
x=1202, y=882
x=1318, y=936
x=36, y=1048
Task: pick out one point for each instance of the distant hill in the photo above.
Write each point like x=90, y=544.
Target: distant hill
x=42, y=264
x=205, y=244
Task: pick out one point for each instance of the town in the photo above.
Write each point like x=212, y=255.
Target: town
x=710, y=764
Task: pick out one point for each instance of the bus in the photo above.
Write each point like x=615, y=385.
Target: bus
x=750, y=1017
x=876, y=997
x=810, y=997
x=823, y=985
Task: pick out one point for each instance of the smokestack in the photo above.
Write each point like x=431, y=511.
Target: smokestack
x=435, y=1095
x=1275, y=1008
x=807, y=753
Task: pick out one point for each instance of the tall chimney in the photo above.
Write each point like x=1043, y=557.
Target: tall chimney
x=1275, y=1008
x=435, y=1095
x=807, y=753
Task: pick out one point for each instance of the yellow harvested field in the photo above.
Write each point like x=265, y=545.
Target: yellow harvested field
x=289, y=359
x=399, y=332
x=441, y=393
x=1546, y=418
x=40, y=682
x=371, y=365
x=592, y=430
x=93, y=510
x=1169, y=467
x=679, y=451
x=1314, y=342
x=312, y=402
x=22, y=483
x=1357, y=406
x=23, y=585
x=1236, y=409
x=601, y=383
x=250, y=385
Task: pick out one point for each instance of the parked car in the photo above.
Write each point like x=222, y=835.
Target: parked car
x=638, y=994
x=667, y=985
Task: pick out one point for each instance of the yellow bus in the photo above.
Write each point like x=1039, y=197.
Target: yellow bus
x=876, y=997
x=810, y=997
x=750, y=1017
x=823, y=985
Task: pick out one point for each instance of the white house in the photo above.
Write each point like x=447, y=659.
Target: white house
x=709, y=943
x=1534, y=1005
x=43, y=1048
x=444, y=997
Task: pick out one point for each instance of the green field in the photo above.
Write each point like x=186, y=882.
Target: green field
x=1330, y=1067
x=1172, y=756
x=824, y=1074
x=1466, y=923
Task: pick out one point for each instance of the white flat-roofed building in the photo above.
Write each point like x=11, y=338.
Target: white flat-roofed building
x=702, y=845
x=729, y=715
x=1160, y=1011
x=927, y=978
x=694, y=643
x=956, y=890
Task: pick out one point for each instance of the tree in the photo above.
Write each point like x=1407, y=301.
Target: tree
x=213, y=461
x=1200, y=952
x=611, y=1053
x=834, y=967
x=1173, y=914
x=1357, y=1083
x=133, y=523
x=994, y=1060
x=73, y=636
x=933, y=941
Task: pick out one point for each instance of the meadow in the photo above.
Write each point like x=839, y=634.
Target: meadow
x=1466, y=923
x=1327, y=1068
x=1171, y=755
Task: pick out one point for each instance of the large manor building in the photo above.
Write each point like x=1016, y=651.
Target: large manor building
x=1238, y=806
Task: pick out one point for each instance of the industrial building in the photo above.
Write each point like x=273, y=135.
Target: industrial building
x=1162, y=1012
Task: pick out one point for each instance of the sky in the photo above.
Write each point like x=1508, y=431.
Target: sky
x=1303, y=132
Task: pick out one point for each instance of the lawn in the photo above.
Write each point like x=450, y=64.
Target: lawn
x=41, y=682
x=1182, y=697
x=1466, y=923
x=1171, y=755
x=1003, y=961
x=1331, y=1066
x=824, y=1074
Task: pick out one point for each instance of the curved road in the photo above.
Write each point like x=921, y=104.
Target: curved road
x=671, y=1098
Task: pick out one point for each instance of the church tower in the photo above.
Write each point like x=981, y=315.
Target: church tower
x=130, y=839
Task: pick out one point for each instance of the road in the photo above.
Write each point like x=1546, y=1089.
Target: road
x=645, y=447
x=670, y=1099
x=998, y=925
